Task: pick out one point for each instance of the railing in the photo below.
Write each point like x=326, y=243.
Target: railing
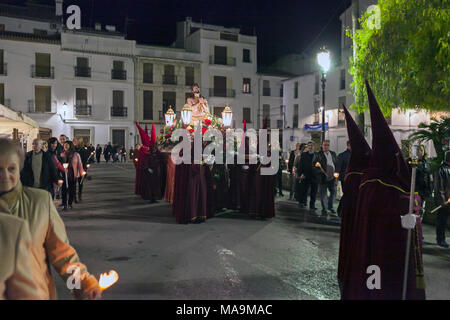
x=248, y=91
x=83, y=72
x=228, y=61
x=169, y=79
x=3, y=69
x=83, y=110
x=266, y=92
x=42, y=72
x=226, y=93
x=118, y=74
x=32, y=108
x=119, y=111
x=148, y=77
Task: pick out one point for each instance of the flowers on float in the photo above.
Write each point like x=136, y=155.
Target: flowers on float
x=204, y=129
x=208, y=122
x=190, y=129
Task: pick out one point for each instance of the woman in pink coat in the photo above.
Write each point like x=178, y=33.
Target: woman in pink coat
x=74, y=170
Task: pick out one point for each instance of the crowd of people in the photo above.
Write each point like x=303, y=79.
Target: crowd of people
x=113, y=153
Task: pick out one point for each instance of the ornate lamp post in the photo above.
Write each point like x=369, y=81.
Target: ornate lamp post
x=170, y=117
x=227, y=116
x=323, y=59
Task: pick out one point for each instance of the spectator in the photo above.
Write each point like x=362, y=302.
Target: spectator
x=16, y=281
x=39, y=171
x=50, y=245
x=74, y=170
x=297, y=182
x=123, y=154
x=107, y=152
x=84, y=155
x=292, y=156
x=62, y=139
x=307, y=177
x=98, y=153
x=325, y=164
x=115, y=153
x=53, y=145
x=341, y=167
x=442, y=195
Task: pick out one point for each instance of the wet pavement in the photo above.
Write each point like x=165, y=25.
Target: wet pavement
x=231, y=256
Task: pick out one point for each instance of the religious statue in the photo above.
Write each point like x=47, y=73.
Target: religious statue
x=199, y=105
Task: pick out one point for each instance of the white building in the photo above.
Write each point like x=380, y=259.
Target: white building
x=303, y=109
x=228, y=70
x=76, y=83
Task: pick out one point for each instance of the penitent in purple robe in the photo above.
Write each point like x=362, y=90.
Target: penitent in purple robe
x=380, y=240
x=358, y=163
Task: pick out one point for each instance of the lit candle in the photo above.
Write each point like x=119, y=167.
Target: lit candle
x=108, y=279
x=336, y=175
x=66, y=165
x=317, y=164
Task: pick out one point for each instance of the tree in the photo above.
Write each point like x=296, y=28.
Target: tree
x=406, y=59
x=436, y=132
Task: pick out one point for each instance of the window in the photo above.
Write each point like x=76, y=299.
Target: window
x=169, y=74
x=189, y=72
x=266, y=115
x=2, y=27
x=148, y=73
x=296, y=90
x=220, y=55
x=83, y=134
x=2, y=61
x=2, y=93
x=246, y=85
x=228, y=36
x=118, y=71
x=341, y=113
x=169, y=99
x=246, y=55
x=316, y=86
x=117, y=65
x=218, y=111
x=295, y=120
x=81, y=96
x=246, y=115
x=40, y=32
x=220, y=86
x=42, y=67
x=266, y=88
x=148, y=105
x=118, y=137
x=43, y=99
x=187, y=95
x=342, y=80
x=82, y=69
x=281, y=91
x=118, y=98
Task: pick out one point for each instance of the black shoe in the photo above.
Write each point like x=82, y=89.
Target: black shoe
x=443, y=244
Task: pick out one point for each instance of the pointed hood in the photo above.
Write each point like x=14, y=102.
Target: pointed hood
x=145, y=139
x=153, y=137
x=360, y=154
x=386, y=154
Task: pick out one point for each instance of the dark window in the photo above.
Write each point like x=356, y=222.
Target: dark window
x=341, y=115
x=220, y=55
x=190, y=79
x=118, y=98
x=43, y=96
x=295, y=120
x=246, y=85
x=2, y=93
x=42, y=68
x=148, y=73
x=118, y=137
x=281, y=91
x=81, y=98
x=220, y=86
x=148, y=105
x=246, y=115
x=82, y=69
x=169, y=99
x=2, y=61
x=266, y=115
x=169, y=74
x=118, y=71
x=266, y=88
x=228, y=36
x=296, y=90
x=246, y=55
x=342, y=82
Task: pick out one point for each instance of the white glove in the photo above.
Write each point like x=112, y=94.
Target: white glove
x=408, y=221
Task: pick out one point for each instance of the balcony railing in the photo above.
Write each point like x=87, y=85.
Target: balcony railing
x=169, y=79
x=119, y=111
x=228, y=61
x=148, y=77
x=83, y=110
x=83, y=72
x=3, y=69
x=34, y=107
x=218, y=92
x=118, y=74
x=266, y=92
x=42, y=72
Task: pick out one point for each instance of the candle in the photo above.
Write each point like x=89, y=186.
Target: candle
x=108, y=279
x=336, y=175
x=66, y=165
x=317, y=164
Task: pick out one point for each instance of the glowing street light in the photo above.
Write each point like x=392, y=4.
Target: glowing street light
x=324, y=61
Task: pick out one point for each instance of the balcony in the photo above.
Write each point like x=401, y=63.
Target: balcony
x=222, y=61
x=148, y=77
x=266, y=92
x=42, y=72
x=169, y=79
x=40, y=106
x=83, y=110
x=118, y=74
x=219, y=92
x=83, y=72
x=119, y=111
x=3, y=69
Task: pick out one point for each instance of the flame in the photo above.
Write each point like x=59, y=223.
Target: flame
x=336, y=175
x=108, y=279
x=65, y=165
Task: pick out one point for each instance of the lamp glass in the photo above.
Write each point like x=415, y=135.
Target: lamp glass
x=186, y=114
x=323, y=59
x=227, y=116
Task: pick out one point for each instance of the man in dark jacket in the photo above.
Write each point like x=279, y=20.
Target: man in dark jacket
x=107, y=152
x=60, y=148
x=341, y=167
x=39, y=170
x=325, y=165
x=84, y=155
x=442, y=195
x=292, y=156
x=307, y=177
x=98, y=153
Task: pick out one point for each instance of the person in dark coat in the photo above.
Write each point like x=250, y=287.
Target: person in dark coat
x=98, y=153
x=325, y=165
x=39, y=170
x=442, y=195
x=341, y=167
x=307, y=177
x=107, y=152
x=84, y=155
x=291, y=164
x=60, y=148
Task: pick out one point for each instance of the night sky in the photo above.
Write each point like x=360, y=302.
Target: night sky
x=282, y=27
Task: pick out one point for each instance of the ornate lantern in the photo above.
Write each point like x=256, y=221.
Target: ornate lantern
x=227, y=116
x=186, y=114
x=170, y=117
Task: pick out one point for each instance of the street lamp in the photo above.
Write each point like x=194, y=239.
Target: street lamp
x=323, y=59
x=227, y=116
x=170, y=117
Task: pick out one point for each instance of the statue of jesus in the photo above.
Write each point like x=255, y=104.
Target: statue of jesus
x=199, y=105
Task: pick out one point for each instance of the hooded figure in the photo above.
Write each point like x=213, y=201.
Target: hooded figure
x=380, y=238
x=151, y=172
x=145, y=139
x=358, y=163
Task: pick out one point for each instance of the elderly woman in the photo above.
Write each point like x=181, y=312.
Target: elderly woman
x=49, y=242
x=74, y=171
